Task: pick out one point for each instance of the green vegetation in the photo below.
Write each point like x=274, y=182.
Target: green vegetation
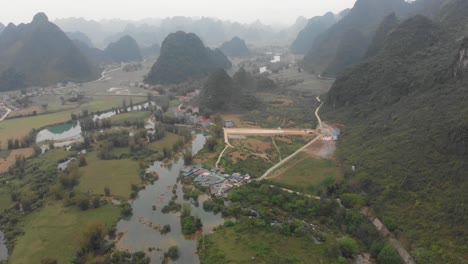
x=169, y=140
x=244, y=243
x=306, y=174
x=172, y=253
x=223, y=93
x=315, y=26
x=46, y=231
x=124, y=50
x=184, y=57
x=345, y=43
x=235, y=48
x=39, y=53
x=117, y=175
x=410, y=157
x=20, y=127
x=190, y=224
x=273, y=224
x=128, y=118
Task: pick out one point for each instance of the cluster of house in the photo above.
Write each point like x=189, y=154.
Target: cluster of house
x=219, y=182
x=189, y=96
x=190, y=112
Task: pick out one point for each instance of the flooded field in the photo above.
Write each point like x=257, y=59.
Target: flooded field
x=140, y=232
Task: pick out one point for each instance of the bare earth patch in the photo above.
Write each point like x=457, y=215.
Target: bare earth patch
x=6, y=163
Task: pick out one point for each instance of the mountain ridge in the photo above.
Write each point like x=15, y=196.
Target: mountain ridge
x=183, y=57
x=39, y=53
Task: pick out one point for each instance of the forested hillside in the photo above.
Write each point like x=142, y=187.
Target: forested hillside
x=236, y=47
x=406, y=132
x=330, y=54
x=39, y=53
x=222, y=93
x=315, y=26
x=184, y=57
x=124, y=50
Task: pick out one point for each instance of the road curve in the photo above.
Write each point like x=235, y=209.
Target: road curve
x=279, y=164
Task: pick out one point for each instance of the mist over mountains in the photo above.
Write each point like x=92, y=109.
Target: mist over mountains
x=39, y=53
x=212, y=31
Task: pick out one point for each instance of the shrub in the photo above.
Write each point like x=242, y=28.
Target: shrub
x=348, y=246
x=388, y=256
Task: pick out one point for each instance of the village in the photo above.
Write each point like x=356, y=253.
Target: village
x=218, y=182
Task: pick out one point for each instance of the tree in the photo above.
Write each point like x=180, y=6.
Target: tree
x=188, y=157
x=348, y=246
x=96, y=202
x=44, y=106
x=172, y=253
x=211, y=143
x=124, y=105
x=82, y=161
x=106, y=191
x=49, y=261
x=93, y=238
x=388, y=256
x=83, y=202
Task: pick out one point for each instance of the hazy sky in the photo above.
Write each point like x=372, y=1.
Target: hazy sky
x=268, y=11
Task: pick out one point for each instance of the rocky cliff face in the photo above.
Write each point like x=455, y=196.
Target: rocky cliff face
x=461, y=63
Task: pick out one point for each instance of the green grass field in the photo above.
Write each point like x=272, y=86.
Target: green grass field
x=306, y=173
x=20, y=127
x=118, y=175
x=167, y=142
x=239, y=245
x=132, y=116
x=5, y=199
x=55, y=231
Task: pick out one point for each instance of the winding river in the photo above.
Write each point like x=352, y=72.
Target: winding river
x=139, y=233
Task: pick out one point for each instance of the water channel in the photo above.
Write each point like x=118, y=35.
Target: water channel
x=139, y=233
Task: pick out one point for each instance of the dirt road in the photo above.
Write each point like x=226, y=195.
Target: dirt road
x=6, y=114
x=384, y=232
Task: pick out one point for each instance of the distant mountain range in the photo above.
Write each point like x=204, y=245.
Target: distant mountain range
x=345, y=43
x=2, y=27
x=314, y=27
x=184, y=57
x=213, y=32
x=80, y=36
x=236, y=47
x=39, y=53
x=123, y=50
x=405, y=109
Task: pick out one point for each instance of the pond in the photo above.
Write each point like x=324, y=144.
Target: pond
x=138, y=232
x=3, y=248
x=71, y=132
x=61, y=132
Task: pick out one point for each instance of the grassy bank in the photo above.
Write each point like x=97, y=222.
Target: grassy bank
x=304, y=173
x=55, y=231
x=117, y=175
